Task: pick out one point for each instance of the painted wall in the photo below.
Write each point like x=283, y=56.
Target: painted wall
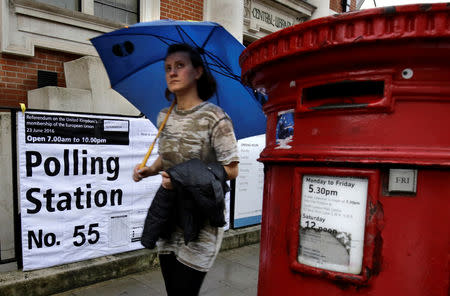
x=228, y=13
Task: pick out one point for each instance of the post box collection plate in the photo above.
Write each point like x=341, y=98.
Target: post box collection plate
x=402, y=180
x=332, y=222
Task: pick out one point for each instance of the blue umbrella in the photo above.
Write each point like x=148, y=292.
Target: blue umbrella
x=134, y=60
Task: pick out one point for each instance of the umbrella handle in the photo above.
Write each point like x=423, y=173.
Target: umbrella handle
x=150, y=149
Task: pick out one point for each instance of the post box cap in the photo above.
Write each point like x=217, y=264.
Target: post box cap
x=385, y=24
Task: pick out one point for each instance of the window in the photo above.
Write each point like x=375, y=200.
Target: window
x=69, y=4
x=121, y=11
x=346, y=5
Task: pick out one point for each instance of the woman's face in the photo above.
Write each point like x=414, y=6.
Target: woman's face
x=181, y=76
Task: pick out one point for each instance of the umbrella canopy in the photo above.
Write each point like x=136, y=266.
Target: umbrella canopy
x=134, y=60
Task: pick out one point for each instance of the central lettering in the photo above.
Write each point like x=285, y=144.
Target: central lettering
x=269, y=19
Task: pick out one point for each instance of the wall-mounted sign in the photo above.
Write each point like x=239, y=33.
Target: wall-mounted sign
x=332, y=222
x=262, y=17
x=268, y=17
x=78, y=200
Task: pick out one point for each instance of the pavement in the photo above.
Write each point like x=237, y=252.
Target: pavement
x=234, y=273
x=114, y=269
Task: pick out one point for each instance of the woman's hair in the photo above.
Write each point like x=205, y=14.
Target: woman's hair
x=206, y=84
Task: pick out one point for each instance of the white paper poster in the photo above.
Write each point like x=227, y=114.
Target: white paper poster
x=250, y=182
x=78, y=200
x=332, y=222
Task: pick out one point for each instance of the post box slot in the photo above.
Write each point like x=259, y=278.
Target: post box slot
x=343, y=94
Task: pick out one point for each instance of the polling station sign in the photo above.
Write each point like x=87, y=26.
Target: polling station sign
x=78, y=200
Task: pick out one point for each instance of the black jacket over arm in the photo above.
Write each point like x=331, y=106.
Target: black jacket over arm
x=198, y=196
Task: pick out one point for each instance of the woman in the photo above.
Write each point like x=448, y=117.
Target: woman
x=195, y=129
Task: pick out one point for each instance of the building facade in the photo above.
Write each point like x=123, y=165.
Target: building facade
x=39, y=36
x=48, y=62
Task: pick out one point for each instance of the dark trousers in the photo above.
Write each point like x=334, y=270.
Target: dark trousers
x=180, y=279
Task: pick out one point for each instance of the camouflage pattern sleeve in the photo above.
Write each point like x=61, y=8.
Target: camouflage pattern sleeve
x=159, y=120
x=224, y=141
x=161, y=116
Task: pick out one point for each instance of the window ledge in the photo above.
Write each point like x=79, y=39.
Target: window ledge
x=65, y=16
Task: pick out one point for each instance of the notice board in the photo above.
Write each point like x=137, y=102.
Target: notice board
x=250, y=182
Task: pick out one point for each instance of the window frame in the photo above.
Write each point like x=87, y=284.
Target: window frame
x=115, y=7
x=346, y=5
x=78, y=3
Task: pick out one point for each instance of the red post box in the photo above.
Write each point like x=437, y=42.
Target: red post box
x=357, y=156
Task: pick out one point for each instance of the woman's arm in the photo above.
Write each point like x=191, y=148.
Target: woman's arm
x=232, y=170
x=154, y=169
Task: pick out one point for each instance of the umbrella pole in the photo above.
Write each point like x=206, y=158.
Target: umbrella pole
x=150, y=149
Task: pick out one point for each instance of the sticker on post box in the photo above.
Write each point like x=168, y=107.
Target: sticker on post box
x=332, y=222
x=285, y=129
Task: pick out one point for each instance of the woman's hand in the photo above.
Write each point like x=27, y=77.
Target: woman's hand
x=166, y=182
x=139, y=174
x=232, y=170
